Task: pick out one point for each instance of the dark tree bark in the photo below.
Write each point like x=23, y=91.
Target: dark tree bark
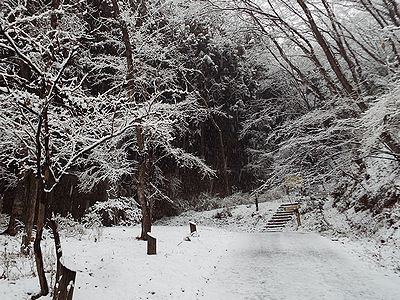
x=44, y=287
x=341, y=44
x=12, y=222
x=31, y=194
x=330, y=57
x=308, y=49
x=65, y=278
x=222, y=161
x=143, y=161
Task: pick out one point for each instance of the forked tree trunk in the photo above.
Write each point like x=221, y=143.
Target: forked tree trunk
x=45, y=181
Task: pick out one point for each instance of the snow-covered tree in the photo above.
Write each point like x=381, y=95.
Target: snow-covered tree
x=44, y=105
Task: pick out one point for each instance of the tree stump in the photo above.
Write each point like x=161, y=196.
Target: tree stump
x=64, y=288
x=193, y=227
x=151, y=245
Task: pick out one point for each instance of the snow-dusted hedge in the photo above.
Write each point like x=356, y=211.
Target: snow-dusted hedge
x=121, y=211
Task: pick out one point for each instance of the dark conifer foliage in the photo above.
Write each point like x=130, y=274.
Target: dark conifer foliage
x=163, y=101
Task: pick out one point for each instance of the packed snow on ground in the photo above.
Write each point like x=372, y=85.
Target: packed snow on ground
x=215, y=263
x=356, y=231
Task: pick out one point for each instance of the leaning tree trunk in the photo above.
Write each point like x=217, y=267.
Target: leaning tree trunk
x=333, y=62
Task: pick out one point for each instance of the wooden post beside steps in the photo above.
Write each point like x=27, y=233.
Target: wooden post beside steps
x=297, y=213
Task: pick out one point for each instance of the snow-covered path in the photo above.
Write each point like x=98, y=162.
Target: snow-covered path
x=296, y=266
x=217, y=264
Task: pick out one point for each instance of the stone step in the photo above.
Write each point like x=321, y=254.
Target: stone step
x=290, y=204
x=277, y=221
x=274, y=226
x=284, y=214
x=287, y=209
x=281, y=218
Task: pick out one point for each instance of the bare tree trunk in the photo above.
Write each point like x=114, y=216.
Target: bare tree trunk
x=223, y=160
x=12, y=222
x=329, y=55
x=141, y=192
x=31, y=194
x=309, y=51
x=315, y=90
x=63, y=289
x=45, y=181
x=142, y=168
x=339, y=39
x=222, y=157
x=41, y=213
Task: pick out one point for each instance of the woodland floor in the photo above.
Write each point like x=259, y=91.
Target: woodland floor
x=218, y=263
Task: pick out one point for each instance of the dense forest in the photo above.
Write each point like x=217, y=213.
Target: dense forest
x=167, y=101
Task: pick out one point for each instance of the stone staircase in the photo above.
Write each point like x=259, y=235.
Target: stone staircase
x=282, y=216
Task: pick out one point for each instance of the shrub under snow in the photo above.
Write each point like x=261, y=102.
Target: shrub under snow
x=120, y=211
